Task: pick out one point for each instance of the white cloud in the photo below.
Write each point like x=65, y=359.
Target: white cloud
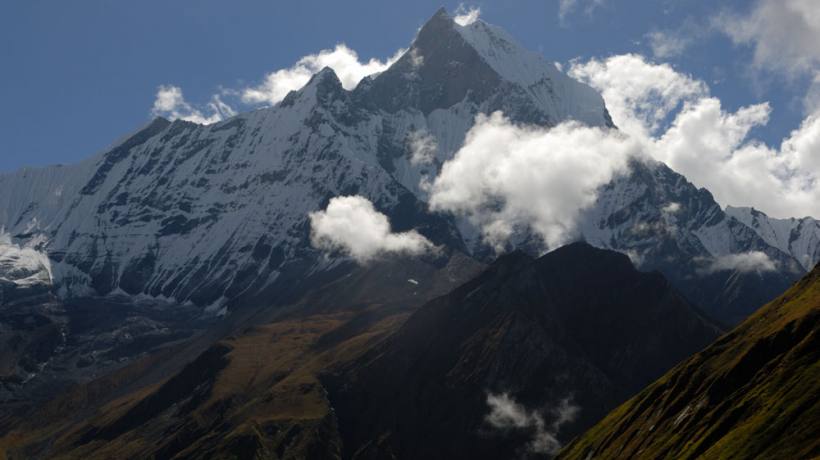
x=711, y=148
x=171, y=104
x=506, y=413
x=507, y=175
x=671, y=208
x=343, y=60
x=423, y=148
x=352, y=225
x=747, y=262
x=676, y=120
x=639, y=95
x=466, y=16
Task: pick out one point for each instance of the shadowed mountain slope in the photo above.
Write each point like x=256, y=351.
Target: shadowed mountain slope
x=250, y=389
x=578, y=325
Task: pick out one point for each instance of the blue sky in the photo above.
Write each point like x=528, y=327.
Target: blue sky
x=78, y=75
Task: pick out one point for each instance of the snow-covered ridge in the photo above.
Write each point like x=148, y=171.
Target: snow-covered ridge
x=206, y=213
x=799, y=237
x=639, y=212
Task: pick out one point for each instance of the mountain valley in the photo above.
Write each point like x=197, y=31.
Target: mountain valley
x=169, y=297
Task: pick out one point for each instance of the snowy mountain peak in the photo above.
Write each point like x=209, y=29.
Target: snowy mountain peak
x=481, y=64
x=323, y=86
x=208, y=213
x=499, y=50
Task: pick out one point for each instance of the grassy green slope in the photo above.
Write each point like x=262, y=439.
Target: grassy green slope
x=755, y=393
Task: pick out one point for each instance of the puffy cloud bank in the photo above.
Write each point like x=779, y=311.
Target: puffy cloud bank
x=352, y=225
x=506, y=413
x=639, y=94
x=507, y=175
x=681, y=124
x=676, y=120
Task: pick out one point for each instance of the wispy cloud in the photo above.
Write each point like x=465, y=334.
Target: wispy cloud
x=665, y=44
x=783, y=35
x=506, y=414
x=566, y=7
x=423, y=148
x=746, y=262
x=171, y=104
